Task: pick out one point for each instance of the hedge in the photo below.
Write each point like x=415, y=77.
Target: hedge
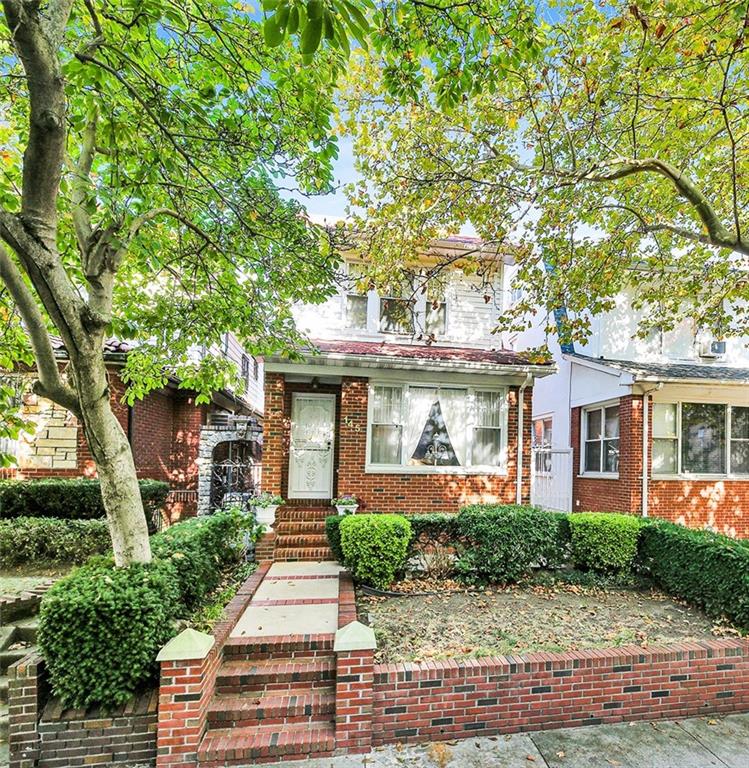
x=101, y=627
x=200, y=549
x=605, y=542
x=333, y=533
x=375, y=547
x=706, y=569
x=503, y=543
x=49, y=540
x=71, y=499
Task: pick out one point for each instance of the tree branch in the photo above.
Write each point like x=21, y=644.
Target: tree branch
x=81, y=186
x=717, y=233
x=50, y=382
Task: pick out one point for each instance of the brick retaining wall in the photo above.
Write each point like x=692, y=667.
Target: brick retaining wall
x=451, y=699
x=186, y=686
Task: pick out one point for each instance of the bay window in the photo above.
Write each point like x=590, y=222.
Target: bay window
x=601, y=439
x=417, y=427
x=700, y=439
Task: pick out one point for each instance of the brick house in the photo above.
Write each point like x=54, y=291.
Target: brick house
x=675, y=403
x=173, y=438
x=374, y=411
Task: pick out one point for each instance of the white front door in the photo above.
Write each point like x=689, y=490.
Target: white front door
x=311, y=450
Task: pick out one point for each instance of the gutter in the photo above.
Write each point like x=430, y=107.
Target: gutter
x=521, y=400
x=646, y=443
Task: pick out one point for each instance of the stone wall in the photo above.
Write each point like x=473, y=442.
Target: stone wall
x=210, y=437
x=54, y=444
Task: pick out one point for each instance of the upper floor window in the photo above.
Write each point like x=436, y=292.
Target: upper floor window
x=356, y=299
x=397, y=308
x=246, y=372
x=422, y=426
x=700, y=438
x=601, y=439
x=255, y=369
x=435, y=315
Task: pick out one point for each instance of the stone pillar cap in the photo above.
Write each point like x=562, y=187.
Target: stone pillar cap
x=355, y=637
x=188, y=644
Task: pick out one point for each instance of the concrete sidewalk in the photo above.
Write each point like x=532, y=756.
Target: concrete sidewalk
x=708, y=742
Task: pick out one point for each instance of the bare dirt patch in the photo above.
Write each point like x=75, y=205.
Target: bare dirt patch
x=527, y=618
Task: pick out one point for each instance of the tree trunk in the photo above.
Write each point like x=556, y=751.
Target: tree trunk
x=114, y=463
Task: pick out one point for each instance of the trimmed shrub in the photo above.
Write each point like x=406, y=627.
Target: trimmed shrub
x=49, y=540
x=706, y=569
x=503, y=543
x=101, y=627
x=200, y=549
x=604, y=541
x=433, y=528
x=375, y=547
x=71, y=499
x=333, y=532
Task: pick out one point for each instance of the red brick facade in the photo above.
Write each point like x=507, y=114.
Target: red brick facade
x=380, y=491
x=720, y=504
x=164, y=432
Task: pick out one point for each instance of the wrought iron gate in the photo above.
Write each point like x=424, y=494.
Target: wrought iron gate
x=235, y=473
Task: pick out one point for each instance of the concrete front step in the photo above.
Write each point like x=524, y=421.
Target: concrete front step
x=267, y=743
x=236, y=677
x=292, y=706
x=294, y=554
x=295, y=647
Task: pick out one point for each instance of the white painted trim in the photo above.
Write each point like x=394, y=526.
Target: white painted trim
x=412, y=373
x=584, y=436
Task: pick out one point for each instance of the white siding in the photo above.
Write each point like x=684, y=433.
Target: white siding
x=470, y=318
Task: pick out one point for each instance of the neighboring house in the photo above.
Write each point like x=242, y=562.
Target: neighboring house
x=402, y=423
x=202, y=451
x=593, y=441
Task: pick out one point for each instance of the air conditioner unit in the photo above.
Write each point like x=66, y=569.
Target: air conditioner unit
x=712, y=348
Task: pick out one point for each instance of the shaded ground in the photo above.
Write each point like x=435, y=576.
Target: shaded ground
x=15, y=580
x=528, y=618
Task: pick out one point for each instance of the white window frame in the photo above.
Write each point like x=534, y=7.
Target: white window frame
x=420, y=306
x=468, y=469
x=684, y=474
x=584, y=437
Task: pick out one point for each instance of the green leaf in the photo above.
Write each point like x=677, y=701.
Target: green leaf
x=311, y=36
x=315, y=9
x=272, y=32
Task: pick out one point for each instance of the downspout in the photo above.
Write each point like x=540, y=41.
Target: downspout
x=521, y=399
x=645, y=443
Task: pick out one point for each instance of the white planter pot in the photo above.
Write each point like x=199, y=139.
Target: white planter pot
x=346, y=509
x=266, y=515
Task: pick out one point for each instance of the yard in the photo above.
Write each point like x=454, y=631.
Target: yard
x=537, y=615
